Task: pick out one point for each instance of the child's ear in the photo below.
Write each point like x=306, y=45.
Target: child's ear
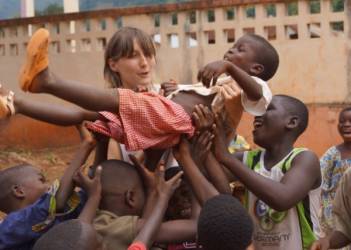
x=18, y=191
x=129, y=197
x=256, y=69
x=293, y=122
x=113, y=65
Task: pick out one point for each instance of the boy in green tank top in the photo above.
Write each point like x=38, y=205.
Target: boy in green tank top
x=282, y=181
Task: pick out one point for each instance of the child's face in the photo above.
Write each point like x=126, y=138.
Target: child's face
x=179, y=206
x=33, y=184
x=270, y=125
x=243, y=53
x=344, y=125
x=136, y=70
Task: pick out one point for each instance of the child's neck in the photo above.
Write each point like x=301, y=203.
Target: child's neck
x=345, y=150
x=14, y=205
x=346, y=145
x=276, y=153
x=117, y=208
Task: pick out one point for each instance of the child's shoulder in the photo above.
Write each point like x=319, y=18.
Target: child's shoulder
x=105, y=218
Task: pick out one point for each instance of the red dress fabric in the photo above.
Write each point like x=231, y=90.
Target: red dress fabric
x=145, y=120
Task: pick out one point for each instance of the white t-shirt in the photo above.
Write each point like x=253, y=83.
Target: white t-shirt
x=254, y=108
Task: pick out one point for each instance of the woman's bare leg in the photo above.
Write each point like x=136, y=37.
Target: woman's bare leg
x=83, y=95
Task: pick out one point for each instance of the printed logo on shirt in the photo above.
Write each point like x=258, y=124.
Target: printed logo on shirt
x=267, y=216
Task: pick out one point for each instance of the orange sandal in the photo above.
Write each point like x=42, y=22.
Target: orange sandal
x=7, y=107
x=37, y=58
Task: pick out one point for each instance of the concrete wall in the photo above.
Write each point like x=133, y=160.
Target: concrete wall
x=312, y=69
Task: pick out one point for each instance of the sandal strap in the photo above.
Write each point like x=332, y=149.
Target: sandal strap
x=10, y=99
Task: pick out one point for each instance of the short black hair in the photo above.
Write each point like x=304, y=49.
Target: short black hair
x=344, y=110
x=266, y=55
x=9, y=177
x=67, y=235
x=119, y=175
x=224, y=224
x=297, y=108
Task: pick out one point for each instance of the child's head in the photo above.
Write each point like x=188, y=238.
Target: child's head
x=344, y=124
x=224, y=224
x=129, y=59
x=122, y=188
x=286, y=117
x=21, y=186
x=69, y=235
x=255, y=55
x=179, y=206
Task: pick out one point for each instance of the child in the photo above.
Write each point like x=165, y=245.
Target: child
x=182, y=205
x=32, y=206
x=77, y=234
x=164, y=190
x=334, y=163
x=224, y=224
x=141, y=120
x=69, y=235
x=283, y=181
x=340, y=235
x=124, y=210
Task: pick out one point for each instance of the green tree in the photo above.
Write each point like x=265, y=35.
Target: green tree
x=52, y=9
x=337, y=5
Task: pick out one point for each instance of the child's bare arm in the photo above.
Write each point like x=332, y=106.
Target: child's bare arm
x=303, y=176
x=216, y=174
x=168, y=87
x=202, y=188
x=149, y=180
x=335, y=240
x=164, y=190
x=93, y=189
x=212, y=71
x=66, y=182
x=232, y=103
x=101, y=149
x=204, y=119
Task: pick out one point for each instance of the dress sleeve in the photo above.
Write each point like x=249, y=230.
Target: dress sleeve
x=327, y=162
x=257, y=107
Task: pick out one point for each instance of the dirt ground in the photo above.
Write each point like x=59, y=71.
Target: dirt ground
x=51, y=161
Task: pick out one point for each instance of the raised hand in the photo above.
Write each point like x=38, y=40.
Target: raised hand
x=85, y=135
x=90, y=185
x=166, y=188
x=220, y=145
x=209, y=74
x=201, y=146
x=148, y=176
x=203, y=117
x=321, y=244
x=182, y=150
x=168, y=87
x=231, y=94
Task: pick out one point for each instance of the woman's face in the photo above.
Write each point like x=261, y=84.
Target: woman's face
x=136, y=70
